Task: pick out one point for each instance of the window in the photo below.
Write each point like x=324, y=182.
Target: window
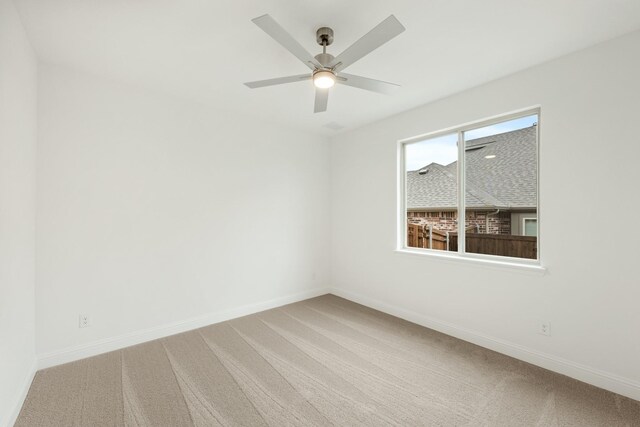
x=473, y=190
x=530, y=226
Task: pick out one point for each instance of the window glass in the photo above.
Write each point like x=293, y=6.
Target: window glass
x=530, y=227
x=500, y=186
x=432, y=185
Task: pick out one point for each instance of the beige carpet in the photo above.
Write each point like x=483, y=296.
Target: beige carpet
x=324, y=361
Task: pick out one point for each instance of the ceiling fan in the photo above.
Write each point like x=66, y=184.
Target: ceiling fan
x=326, y=70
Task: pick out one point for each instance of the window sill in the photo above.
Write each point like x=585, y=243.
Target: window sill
x=482, y=262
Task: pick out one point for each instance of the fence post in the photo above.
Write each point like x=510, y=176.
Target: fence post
x=430, y=236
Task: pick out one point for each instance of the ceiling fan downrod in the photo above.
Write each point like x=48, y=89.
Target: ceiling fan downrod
x=324, y=37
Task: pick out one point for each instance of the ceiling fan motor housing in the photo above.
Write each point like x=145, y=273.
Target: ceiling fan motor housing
x=324, y=36
x=324, y=59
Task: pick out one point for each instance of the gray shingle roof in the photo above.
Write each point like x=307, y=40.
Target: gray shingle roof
x=506, y=181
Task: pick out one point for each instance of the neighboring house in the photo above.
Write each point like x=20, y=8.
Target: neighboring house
x=501, y=187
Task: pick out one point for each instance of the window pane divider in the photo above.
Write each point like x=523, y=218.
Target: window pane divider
x=461, y=195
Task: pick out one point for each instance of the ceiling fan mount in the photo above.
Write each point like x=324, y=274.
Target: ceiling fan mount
x=327, y=70
x=324, y=36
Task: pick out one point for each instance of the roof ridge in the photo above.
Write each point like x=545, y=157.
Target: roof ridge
x=444, y=171
x=427, y=165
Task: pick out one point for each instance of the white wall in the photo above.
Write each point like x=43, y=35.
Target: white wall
x=153, y=210
x=18, y=80
x=589, y=206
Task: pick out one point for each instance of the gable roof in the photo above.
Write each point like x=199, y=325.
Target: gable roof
x=507, y=181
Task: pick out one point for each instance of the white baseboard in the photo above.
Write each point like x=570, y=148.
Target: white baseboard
x=115, y=343
x=587, y=374
x=22, y=395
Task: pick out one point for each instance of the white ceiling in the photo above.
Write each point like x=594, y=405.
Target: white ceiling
x=205, y=50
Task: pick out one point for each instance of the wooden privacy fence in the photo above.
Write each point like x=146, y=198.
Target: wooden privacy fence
x=424, y=236
x=497, y=244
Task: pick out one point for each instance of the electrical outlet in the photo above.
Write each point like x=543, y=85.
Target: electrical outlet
x=84, y=321
x=544, y=328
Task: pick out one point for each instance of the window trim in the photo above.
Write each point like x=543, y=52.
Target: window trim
x=402, y=227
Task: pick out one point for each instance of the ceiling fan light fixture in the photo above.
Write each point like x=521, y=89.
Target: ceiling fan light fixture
x=324, y=79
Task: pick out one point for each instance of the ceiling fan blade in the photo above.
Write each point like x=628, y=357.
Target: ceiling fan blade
x=278, y=81
x=322, y=96
x=279, y=34
x=367, y=84
x=379, y=35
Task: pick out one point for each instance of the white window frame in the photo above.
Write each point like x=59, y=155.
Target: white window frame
x=461, y=255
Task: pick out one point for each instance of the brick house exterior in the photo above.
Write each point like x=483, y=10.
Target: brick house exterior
x=484, y=221
x=501, y=186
